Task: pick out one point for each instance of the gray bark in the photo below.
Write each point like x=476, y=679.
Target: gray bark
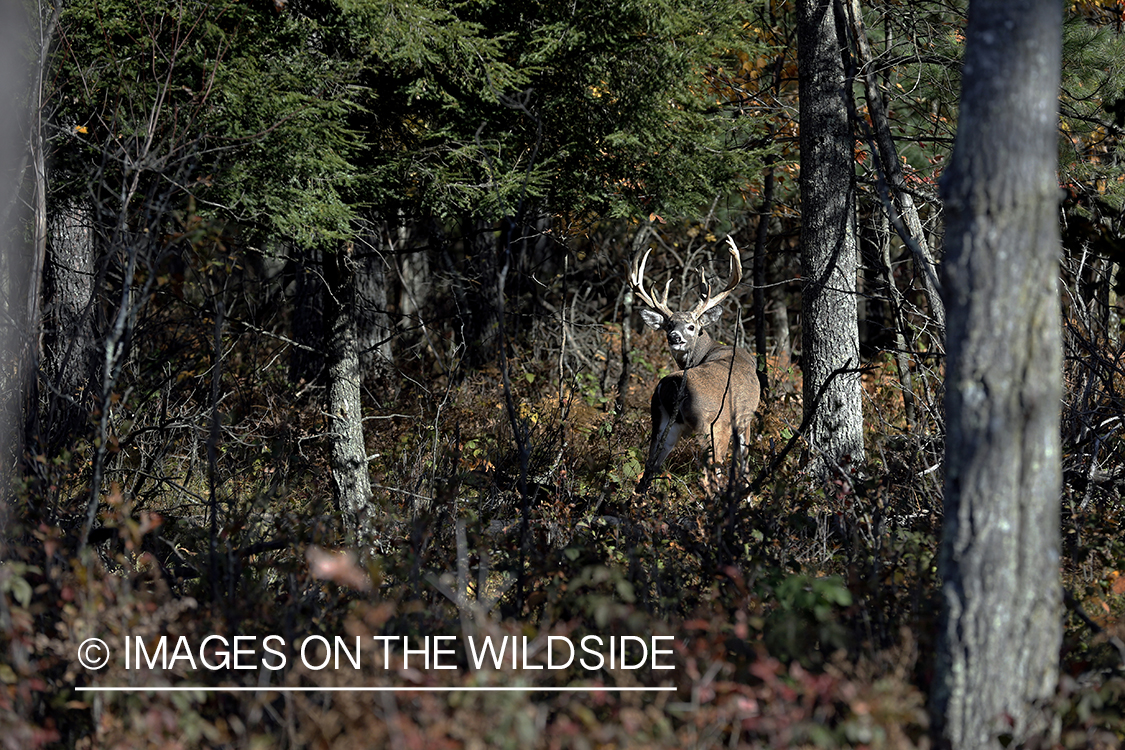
x=29, y=361
x=829, y=258
x=348, y=454
x=782, y=346
x=901, y=329
x=1000, y=628
x=70, y=334
x=415, y=293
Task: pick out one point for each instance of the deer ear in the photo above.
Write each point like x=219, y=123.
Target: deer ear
x=652, y=319
x=711, y=315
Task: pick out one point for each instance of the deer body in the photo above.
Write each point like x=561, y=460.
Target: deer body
x=715, y=392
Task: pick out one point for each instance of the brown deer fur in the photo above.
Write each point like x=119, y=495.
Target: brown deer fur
x=715, y=392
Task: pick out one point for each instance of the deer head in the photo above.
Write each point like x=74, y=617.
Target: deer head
x=686, y=331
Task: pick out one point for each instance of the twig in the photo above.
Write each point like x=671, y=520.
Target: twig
x=756, y=485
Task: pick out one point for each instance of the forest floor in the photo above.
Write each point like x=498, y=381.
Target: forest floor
x=800, y=615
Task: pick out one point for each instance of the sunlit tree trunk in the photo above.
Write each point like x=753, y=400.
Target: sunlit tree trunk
x=348, y=453
x=829, y=259
x=759, y=275
x=1001, y=627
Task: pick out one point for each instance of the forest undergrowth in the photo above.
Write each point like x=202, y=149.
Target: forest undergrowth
x=803, y=615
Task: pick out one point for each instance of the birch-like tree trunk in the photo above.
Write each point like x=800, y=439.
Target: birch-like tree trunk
x=29, y=361
x=829, y=257
x=348, y=455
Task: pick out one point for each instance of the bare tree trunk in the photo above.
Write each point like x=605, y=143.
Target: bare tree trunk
x=899, y=330
x=33, y=312
x=1113, y=317
x=415, y=291
x=640, y=239
x=348, y=460
x=414, y=273
x=71, y=334
x=414, y=269
x=1001, y=626
x=829, y=258
x=137, y=249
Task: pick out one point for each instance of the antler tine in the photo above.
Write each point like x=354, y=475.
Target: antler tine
x=735, y=277
x=637, y=282
x=664, y=300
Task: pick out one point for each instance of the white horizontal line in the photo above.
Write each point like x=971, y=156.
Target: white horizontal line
x=361, y=689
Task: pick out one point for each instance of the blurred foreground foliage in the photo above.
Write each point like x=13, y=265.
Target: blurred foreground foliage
x=802, y=614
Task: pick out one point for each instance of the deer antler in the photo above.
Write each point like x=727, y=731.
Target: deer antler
x=637, y=282
x=710, y=301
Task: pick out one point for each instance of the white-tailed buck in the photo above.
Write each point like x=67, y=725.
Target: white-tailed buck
x=715, y=392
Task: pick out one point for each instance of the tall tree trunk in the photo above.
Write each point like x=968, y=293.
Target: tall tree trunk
x=830, y=329
x=640, y=239
x=901, y=330
x=888, y=311
x=414, y=294
x=29, y=361
x=70, y=335
x=1001, y=627
x=414, y=291
x=781, y=343
x=348, y=460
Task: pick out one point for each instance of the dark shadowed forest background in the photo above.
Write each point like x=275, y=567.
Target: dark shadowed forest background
x=317, y=322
